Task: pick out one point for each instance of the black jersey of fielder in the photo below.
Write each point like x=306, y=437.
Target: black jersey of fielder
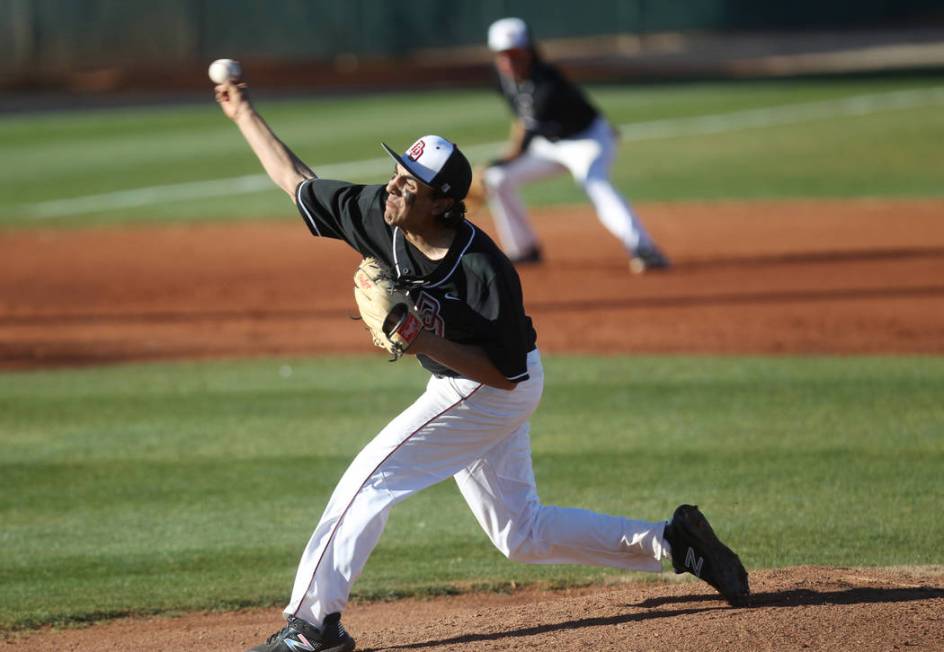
x=471, y=296
x=547, y=103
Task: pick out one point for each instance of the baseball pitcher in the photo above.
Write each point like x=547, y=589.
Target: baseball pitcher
x=435, y=286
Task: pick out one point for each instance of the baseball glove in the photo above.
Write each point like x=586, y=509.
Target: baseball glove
x=387, y=311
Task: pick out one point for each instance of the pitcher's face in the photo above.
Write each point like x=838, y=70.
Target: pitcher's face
x=409, y=201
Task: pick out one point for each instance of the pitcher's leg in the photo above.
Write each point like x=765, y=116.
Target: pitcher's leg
x=455, y=422
x=396, y=464
x=500, y=490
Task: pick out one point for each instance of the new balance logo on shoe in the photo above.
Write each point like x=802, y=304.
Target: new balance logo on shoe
x=689, y=531
x=301, y=644
x=693, y=565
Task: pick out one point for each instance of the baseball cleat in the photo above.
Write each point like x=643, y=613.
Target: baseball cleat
x=532, y=256
x=647, y=259
x=697, y=550
x=299, y=636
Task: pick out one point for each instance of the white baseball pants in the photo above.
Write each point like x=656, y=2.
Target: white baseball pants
x=479, y=435
x=588, y=156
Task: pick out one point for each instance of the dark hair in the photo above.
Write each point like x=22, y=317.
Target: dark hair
x=455, y=214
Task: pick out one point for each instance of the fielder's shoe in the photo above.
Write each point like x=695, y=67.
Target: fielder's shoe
x=696, y=550
x=646, y=259
x=532, y=256
x=299, y=636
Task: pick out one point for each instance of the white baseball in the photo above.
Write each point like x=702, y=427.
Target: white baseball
x=224, y=70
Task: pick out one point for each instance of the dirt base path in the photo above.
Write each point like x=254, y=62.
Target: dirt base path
x=793, y=609
x=787, y=277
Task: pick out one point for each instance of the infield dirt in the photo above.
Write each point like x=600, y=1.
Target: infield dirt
x=863, y=276
x=797, y=277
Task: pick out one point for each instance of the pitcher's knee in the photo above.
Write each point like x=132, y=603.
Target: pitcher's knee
x=527, y=549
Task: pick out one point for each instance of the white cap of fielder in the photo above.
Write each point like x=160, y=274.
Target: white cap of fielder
x=508, y=34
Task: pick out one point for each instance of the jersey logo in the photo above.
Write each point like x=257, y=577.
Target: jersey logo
x=417, y=150
x=428, y=308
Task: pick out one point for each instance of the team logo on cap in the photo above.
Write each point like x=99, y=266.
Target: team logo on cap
x=417, y=150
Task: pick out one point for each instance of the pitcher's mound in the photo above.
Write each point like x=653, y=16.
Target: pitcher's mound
x=797, y=608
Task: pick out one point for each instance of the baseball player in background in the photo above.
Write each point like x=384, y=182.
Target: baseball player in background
x=471, y=422
x=556, y=129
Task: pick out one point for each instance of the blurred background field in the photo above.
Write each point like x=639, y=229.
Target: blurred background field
x=177, y=486
x=715, y=98
x=711, y=140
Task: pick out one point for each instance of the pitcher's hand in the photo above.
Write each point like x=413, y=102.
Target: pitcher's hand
x=233, y=99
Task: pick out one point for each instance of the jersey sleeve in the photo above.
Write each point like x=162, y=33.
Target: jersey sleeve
x=341, y=210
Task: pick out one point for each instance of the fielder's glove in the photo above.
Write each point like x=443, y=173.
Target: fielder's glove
x=387, y=311
x=475, y=198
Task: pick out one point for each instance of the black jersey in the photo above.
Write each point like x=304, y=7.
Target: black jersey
x=471, y=296
x=547, y=103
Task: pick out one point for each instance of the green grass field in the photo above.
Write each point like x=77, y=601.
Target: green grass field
x=829, y=138
x=180, y=486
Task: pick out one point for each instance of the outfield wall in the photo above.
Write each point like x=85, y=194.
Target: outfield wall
x=43, y=36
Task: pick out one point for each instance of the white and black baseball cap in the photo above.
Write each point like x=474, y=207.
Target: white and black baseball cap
x=508, y=34
x=437, y=163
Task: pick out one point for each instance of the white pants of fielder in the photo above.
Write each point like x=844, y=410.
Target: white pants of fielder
x=588, y=156
x=478, y=435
